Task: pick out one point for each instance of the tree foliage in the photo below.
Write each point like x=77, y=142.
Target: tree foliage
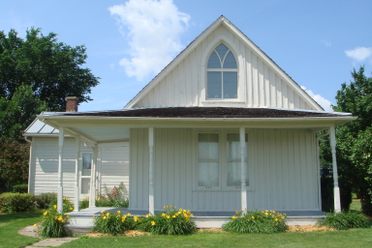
x=52, y=68
x=354, y=139
x=36, y=74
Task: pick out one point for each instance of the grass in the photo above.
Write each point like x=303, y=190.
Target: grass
x=9, y=226
x=350, y=238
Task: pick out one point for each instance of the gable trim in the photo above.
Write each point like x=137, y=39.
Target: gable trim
x=192, y=45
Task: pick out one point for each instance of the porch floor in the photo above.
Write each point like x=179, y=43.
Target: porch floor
x=83, y=220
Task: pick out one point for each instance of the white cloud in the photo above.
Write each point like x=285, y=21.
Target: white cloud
x=325, y=103
x=153, y=29
x=359, y=54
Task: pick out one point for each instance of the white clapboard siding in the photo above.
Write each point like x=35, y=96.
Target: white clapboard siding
x=112, y=168
x=283, y=172
x=259, y=85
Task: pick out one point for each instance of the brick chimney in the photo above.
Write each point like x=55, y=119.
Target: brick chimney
x=71, y=104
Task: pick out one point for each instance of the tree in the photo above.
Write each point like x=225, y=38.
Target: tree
x=36, y=74
x=52, y=68
x=354, y=139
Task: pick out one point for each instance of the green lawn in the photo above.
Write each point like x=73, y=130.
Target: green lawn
x=351, y=238
x=9, y=226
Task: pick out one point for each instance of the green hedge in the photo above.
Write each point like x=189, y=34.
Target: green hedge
x=16, y=202
x=45, y=200
x=20, y=188
x=345, y=220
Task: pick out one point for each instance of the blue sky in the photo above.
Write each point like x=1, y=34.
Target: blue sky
x=318, y=43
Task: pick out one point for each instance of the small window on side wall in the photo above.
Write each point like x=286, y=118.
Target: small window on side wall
x=222, y=74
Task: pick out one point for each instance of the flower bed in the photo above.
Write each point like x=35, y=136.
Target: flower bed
x=265, y=221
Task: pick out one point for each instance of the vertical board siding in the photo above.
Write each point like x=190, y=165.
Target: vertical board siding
x=283, y=172
x=114, y=166
x=258, y=83
x=44, y=165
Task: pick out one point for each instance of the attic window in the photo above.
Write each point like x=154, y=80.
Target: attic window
x=222, y=74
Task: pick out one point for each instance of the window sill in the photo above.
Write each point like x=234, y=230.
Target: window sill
x=223, y=100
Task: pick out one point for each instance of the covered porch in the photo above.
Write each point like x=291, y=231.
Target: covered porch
x=152, y=186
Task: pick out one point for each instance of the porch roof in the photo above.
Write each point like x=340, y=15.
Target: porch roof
x=110, y=126
x=208, y=112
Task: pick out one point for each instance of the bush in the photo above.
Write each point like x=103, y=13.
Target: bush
x=171, y=222
x=84, y=204
x=53, y=224
x=45, y=200
x=116, y=197
x=257, y=222
x=115, y=223
x=20, y=188
x=345, y=220
x=16, y=202
x=68, y=206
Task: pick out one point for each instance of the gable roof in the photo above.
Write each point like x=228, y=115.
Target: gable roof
x=222, y=20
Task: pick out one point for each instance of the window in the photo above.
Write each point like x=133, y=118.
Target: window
x=208, y=160
x=222, y=74
x=85, y=172
x=233, y=161
x=218, y=165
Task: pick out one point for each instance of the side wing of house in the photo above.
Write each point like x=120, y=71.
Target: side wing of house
x=112, y=167
x=260, y=82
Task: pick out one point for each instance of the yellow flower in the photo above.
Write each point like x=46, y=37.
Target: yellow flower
x=71, y=209
x=104, y=217
x=174, y=216
x=234, y=217
x=168, y=217
x=163, y=215
x=107, y=214
x=129, y=214
x=147, y=215
x=60, y=218
x=135, y=218
x=34, y=225
x=118, y=212
x=45, y=213
x=153, y=223
x=123, y=218
x=55, y=206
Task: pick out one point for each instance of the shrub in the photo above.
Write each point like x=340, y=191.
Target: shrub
x=257, y=222
x=84, y=204
x=116, y=197
x=20, y=188
x=345, y=220
x=171, y=222
x=68, y=206
x=45, y=200
x=115, y=223
x=53, y=224
x=16, y=202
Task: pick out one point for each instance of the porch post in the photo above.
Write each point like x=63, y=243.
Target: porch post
x=336, y=189
x=151, y=171
x=60, y=172
x=242, y=169
x=77, y=176
x=92, y=195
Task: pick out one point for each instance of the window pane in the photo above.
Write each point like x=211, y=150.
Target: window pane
x=230, y=85
x=221, y=50
x=87, y=164
x=234, y=166
x=85, y=184
x=214, y=85
x=214, y=61
x=208, y=174
x=229, y=61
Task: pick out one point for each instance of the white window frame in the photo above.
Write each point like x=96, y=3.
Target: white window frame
x=86, y=176
x=222, y=70
x=223, y=160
